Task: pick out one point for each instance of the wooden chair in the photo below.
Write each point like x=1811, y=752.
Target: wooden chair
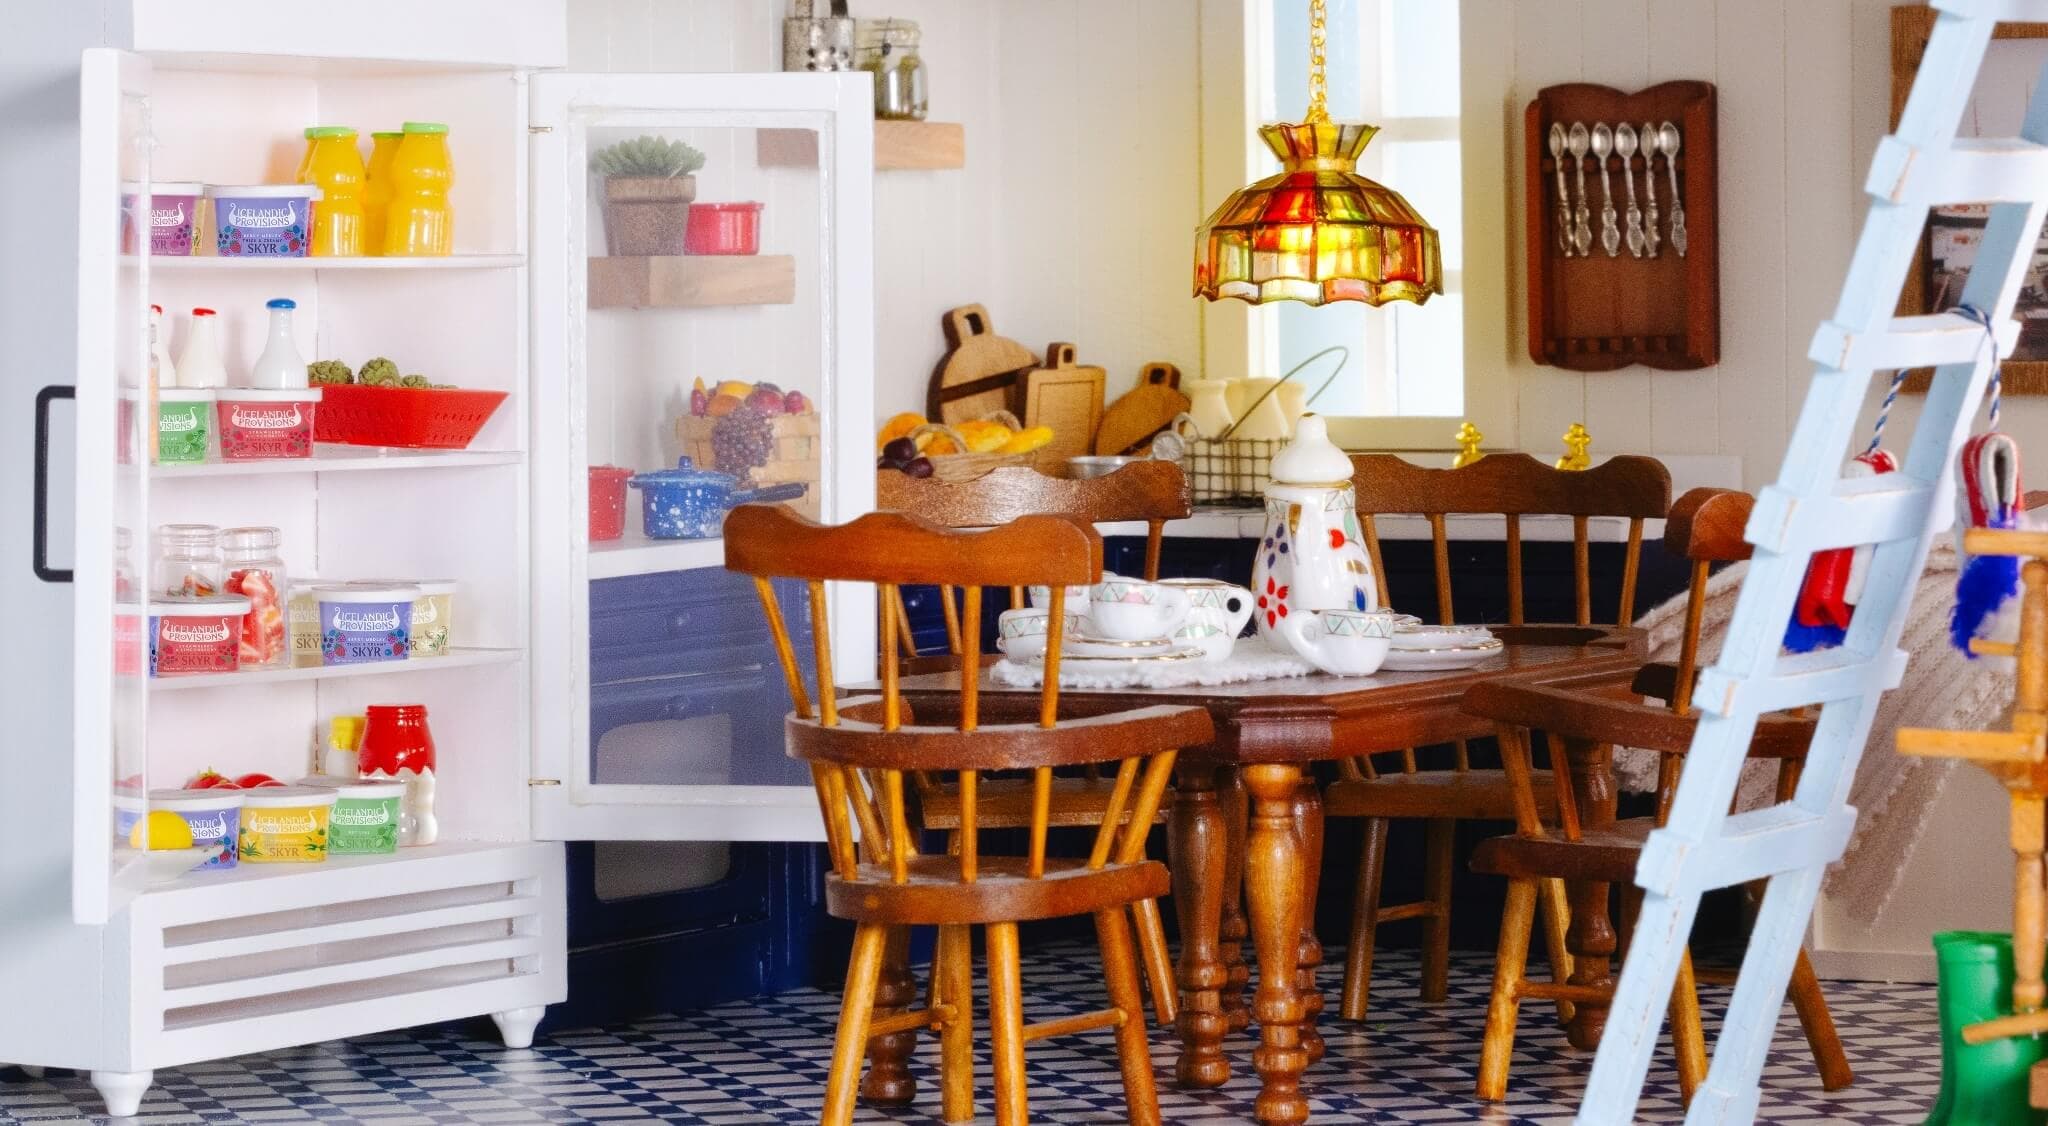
x=1512, y=486
x=1151, y=491
x=1705, y=527
x=861, y=752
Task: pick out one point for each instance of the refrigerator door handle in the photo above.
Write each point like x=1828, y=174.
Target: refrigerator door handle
x=41, y=544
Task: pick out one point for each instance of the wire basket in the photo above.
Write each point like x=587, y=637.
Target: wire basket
x=1231, y=471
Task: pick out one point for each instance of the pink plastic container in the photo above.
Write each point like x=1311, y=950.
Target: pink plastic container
x=197, y=636
x=607, y=502
x=170, y=220
x=723, y=228
x=259, y=423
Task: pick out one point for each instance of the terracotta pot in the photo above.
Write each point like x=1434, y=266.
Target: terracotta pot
x=647, y=215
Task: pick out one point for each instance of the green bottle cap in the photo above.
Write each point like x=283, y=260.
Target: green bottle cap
x=315, y=132
x=425, y=127
x=386, y=135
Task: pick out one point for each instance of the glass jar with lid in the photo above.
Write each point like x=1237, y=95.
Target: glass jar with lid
x=888, y=50
x=188, y=563
x=253, y=568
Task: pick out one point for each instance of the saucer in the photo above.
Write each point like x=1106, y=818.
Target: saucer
x=1080, y=645
x=1445, y=658
x=1422, y=637
x=1172, y=654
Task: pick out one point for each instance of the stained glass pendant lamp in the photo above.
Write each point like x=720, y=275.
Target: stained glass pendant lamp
x=1317, y=231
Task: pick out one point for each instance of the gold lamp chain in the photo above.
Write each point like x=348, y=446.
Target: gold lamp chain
x=1318, y=88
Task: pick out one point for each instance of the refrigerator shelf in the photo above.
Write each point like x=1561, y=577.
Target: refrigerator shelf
x=332, y=458
x=456, y=658
x=168, y=263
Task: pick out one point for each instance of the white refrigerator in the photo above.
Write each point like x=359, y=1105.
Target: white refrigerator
x=544, y=734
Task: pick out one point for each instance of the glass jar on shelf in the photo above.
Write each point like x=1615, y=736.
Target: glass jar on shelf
x=888, y=50
x=188, y=562
x=252, y=568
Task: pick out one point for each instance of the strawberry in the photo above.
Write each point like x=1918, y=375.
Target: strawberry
x=256, y=781
x=211, y=779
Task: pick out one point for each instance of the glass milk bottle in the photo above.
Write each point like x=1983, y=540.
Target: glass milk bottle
x=280, y=367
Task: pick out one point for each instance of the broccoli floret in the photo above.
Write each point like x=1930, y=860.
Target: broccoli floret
x=322, y=373
x=378, y=371
x=415, y=381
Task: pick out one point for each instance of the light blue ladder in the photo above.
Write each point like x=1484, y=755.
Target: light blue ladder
x=1810, y=509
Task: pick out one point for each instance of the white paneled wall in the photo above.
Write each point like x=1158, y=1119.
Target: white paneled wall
x=1072, y=219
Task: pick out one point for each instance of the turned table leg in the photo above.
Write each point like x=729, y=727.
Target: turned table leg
x=1196, y=844
x=1308, y=828
x=1236, y=929
x=888, y=1081
x=1275, y=890
x=1590, y=938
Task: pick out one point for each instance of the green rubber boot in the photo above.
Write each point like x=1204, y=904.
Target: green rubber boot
x=1981, y=1084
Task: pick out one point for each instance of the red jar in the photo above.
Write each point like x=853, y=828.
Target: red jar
x=395, y=738
x=723, y=228
x=607, y=502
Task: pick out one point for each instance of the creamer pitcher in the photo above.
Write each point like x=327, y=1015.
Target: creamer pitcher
x=1311, y=556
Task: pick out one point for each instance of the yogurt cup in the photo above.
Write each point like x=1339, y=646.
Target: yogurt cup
x=262, y=220
x=128, y=809
x=302, y=621
x=196, y=635
x=432, y=612
x=257, y=423
x=361, y=624
x=214, y=816
x=365, y=817
x=285, y=824
x=184, y=417
x=173, y=218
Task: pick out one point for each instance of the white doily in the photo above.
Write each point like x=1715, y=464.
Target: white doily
x=1250, y=659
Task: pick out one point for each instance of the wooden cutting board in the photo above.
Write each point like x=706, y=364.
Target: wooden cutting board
x=1129, y=423
x=980, y=372
x=1067, y=397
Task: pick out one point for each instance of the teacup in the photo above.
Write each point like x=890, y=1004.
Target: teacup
x=1135, y=610
x=1077, y=597
x=1021, y=634
x=1341, y=642
x=1210, y=630
x=1233, y=602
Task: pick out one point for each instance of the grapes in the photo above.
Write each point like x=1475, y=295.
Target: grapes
x=919, y=467
x=902, y=450
x=742, y=440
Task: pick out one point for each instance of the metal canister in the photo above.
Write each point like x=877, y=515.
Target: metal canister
x=814, y=42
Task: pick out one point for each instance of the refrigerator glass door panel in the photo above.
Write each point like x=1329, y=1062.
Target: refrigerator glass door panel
x=115, y=442
x=702, y=269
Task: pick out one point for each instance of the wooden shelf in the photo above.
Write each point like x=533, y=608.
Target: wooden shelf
x=899, y=146
x=692, y=281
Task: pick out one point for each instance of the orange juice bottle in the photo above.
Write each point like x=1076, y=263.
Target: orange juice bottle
x=419, y=221
x=334, y=165
x=377, y=190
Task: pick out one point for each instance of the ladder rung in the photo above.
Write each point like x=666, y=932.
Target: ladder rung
x=1994, y=170
x=1751, y=846
x=1808, y=678
x=1906, y=342
x=2005, y=541
x=1976, y=746
x=1872, y=510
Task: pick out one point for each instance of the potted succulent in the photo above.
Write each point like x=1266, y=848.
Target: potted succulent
x=648, y=186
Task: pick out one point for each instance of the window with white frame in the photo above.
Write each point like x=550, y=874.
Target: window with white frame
x=1394, y=64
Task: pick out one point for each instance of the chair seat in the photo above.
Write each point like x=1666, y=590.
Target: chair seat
x=1478, y=795
x=1601, y=854
x=1005, y=803
x=1000, y=893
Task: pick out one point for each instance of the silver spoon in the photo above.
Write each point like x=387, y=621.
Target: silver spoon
x=1610, y=233
x=1564, y=206
x=1582, y=214
x=1649, y=139
x=1668, y=140
x=1625, y=147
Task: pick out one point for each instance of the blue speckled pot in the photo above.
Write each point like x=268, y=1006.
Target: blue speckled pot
x=687, y=503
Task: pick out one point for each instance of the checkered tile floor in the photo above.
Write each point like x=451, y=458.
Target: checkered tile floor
x=764, y=1061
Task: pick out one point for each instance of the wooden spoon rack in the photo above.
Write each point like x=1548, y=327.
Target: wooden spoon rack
x=1602, y=312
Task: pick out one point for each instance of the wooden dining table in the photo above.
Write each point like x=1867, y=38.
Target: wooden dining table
x=1268, y=733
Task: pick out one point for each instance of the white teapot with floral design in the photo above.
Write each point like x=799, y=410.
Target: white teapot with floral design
x=1311, y=556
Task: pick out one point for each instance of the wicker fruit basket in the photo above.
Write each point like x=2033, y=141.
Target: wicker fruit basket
x=968, y=466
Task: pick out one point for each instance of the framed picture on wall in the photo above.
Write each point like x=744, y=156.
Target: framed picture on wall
x=2012, y=66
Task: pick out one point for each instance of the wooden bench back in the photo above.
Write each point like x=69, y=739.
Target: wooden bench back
x=860, y=751
x=1514, y=485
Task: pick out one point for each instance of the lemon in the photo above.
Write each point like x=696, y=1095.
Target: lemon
x=162, y=829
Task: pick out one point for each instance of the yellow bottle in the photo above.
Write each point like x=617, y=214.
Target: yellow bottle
x=419, y=221
x=377, y=190
x=334, y=165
